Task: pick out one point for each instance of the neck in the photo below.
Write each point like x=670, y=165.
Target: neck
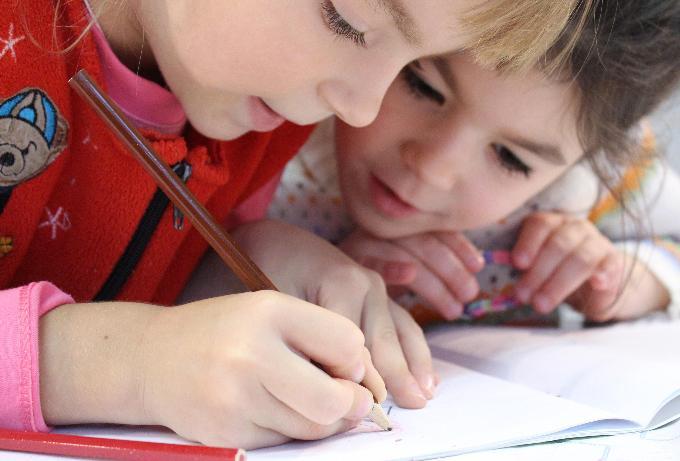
x=125, y=34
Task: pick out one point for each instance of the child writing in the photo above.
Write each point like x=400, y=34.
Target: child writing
x=462, y=158
x=219, y=89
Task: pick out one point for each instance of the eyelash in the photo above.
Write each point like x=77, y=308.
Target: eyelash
x=337, y=24
x=419, y=88
x=509, y=161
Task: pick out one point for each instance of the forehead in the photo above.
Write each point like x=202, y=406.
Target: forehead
x=431, y=26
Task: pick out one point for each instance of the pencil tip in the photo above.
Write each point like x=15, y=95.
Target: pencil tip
x=378, y=416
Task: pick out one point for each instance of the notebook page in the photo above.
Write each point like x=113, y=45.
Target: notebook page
x=628, y=371
x=470, y=412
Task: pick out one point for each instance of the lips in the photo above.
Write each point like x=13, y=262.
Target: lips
x=262, y=117
x=387, y=202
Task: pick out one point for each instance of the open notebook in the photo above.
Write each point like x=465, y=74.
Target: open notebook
x=503, y=387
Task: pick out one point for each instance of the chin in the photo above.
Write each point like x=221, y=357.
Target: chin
x=214, y=128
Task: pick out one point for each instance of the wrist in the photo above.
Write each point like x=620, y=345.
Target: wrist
x=91, y=363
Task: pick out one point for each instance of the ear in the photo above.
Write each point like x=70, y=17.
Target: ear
x=60, y=140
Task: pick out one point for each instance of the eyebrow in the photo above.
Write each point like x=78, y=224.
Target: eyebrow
x=547, y=152
x=402, y=20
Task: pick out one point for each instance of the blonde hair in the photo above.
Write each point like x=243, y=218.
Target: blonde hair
x=516, y=34
x=505, y=34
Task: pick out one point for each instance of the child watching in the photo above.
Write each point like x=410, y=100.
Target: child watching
x=462, y=157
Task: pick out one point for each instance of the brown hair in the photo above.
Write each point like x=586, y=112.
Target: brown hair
x=514, y=34
x=626, y=61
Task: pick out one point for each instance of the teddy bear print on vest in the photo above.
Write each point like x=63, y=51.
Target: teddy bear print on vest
x=32, y=135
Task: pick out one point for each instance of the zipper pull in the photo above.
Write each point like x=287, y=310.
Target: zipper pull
x=183, y=170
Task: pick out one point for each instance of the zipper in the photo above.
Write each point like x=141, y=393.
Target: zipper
x=142, y=236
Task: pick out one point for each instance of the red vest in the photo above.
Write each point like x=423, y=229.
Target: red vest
x=77, y=208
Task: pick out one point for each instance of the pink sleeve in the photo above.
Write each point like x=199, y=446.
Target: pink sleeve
x=255, y=206
x=20, y=310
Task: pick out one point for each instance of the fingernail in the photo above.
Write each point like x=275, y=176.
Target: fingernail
x=476, y=261
x=469, y=291
x=542, y=303
x=522, y=293
x=453, y=311
x=429, y=386
x=359, y=372
x=416, y=390
x=521, y=259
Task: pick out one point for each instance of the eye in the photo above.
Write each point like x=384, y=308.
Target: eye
x=337, y=24
x=420, y=88
x=31, y=147
x=509, y=161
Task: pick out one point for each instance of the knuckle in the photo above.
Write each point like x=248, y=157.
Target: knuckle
x=264, y=300
x=585, y=258
x=353, y=276
x=560, y=243
x=376, y=281
x=387, y=335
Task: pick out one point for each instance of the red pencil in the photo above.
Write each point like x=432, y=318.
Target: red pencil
x=116, y=449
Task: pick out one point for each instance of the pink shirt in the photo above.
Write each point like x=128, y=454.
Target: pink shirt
x=151, y=106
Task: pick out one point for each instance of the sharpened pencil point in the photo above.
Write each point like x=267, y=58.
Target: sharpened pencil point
x=379, y=417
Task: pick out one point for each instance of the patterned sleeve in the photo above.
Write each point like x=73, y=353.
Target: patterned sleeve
x=649, y=225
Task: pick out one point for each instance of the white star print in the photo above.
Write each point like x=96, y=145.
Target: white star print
x=10, y=42
x=56, y=221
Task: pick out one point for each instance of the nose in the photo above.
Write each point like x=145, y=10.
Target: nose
x=354, y=107
x=442, y=150
x=356, y=99
x=7, y=159
x=433, y=163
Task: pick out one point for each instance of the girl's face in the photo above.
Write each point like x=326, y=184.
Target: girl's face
x=456, y=147
x=243, y=65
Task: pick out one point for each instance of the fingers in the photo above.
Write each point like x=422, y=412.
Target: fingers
x=382, y=256
x=383, y=341
x=276, y=419
x=415, y=348
x=464, y=249
x=327, y=338
x=443, y=279
x=372, y=379
x=570, y=273
x=560, y=254
x=308, y=390
x=393, y=272
x=534, y=232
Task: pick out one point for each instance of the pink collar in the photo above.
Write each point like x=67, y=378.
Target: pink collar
x=146, y=103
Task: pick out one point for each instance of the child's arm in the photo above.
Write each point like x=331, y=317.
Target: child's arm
x=308, y=267
x=230, y=371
